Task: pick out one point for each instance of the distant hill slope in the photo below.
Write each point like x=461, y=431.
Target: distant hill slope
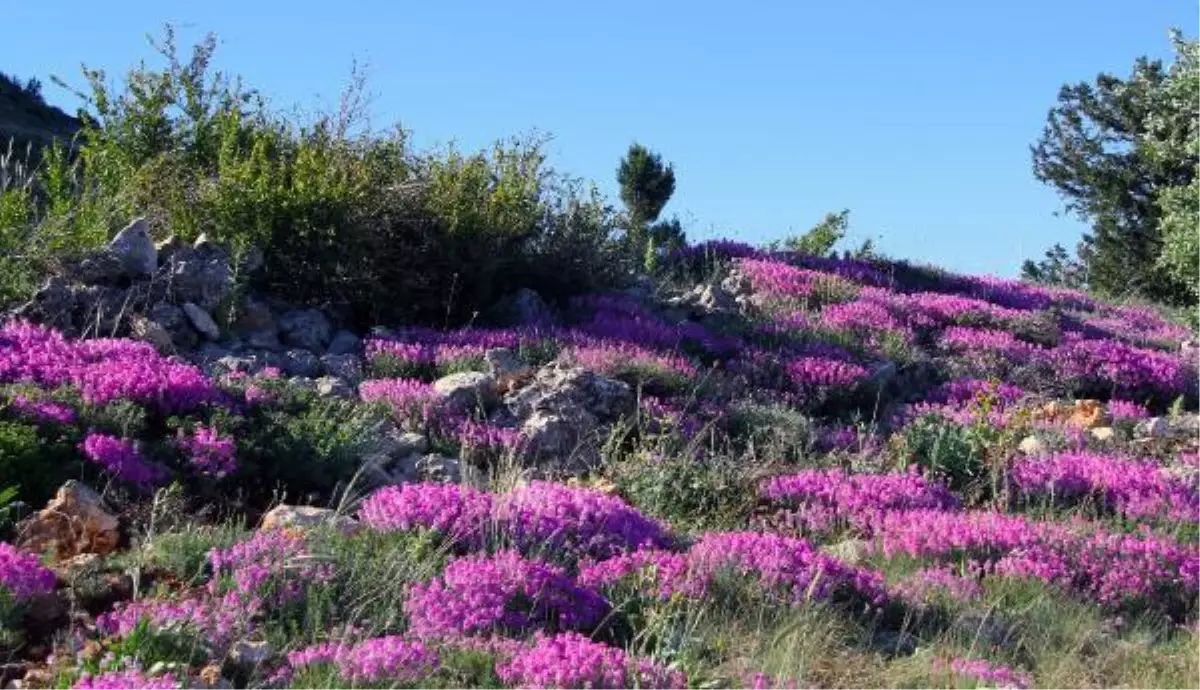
x=26, y=118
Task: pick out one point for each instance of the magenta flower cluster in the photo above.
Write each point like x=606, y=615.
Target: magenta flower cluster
x=209, y=452
x=103, y=370
x=481, y=594
x=120, y=458
x=22, y=575
x=391, y=659
x=44, y=410
x=570, y=660
x=538, y=517
x=1138, y=488
x=821, y=500
x=120, y=680
x=983, y=671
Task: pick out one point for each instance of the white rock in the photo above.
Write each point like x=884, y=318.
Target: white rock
x=1032, y=445
x=1102, y=433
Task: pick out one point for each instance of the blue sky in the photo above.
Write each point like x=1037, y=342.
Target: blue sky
x=917, y=116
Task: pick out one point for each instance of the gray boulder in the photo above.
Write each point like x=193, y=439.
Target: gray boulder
x=201, y=321
x=298, y=362
x=563, y=412
x=306, y=328
x=466, y=390
x=256, y=324
x=175, y=321
x=345, y=366
x=344, y=343
x=199, y=274
x=134, y=247
x=525, y=306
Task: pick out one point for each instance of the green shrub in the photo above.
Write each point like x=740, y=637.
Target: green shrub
x=36, y=460
x=353, y=219
x=305, y=447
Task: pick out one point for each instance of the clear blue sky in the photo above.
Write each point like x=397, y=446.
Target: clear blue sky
x=917, y=116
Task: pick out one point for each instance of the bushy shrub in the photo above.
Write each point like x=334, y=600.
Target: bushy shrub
x=353, y=219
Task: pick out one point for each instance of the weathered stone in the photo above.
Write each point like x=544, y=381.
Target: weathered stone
x=1032, y=445
x=345, y=366
x=135, y=249
x=1155, y=427
x=559, y=386
x=1102, y=433
x=176, y=323
x=53, y=304
x=509, y=372
x=344, y=343
x=562, y=441
x=306, y=328
x=466, y=390
x=302, y=382
x=562, y=412
x=201, y=275
x=201, y=321
x=75, y=521
x=715, y=298
x=255, y=322
x=298, y=362
x=850, y=551
x=333, y=387
x=250, y=654
x=1088, y=414
x=430, y=468
x=285, y=516
x=142, y=328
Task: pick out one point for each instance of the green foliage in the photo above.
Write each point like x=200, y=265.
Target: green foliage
x=646, y=184
x=948, y=451
x=345, y=216
x=304, y=446
x=1122, y=154
x=821, y=238
x=1058, y=268
x=35, y=460
x=689, y=493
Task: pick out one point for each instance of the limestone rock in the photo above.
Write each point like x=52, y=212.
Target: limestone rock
x=150, y=331
x=134, y=247
x=523, y=307
x=285, y=516
x=256, y=324
x=333, y=387
x=509, y=372
x=466, y=390
x=1102, y=433
x=305, y=328
x=1032, y=445
x=75, y=521
x=201, y=321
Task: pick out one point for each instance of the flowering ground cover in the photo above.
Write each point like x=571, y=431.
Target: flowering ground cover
x=832, y=473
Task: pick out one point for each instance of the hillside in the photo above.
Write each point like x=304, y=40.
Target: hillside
x=27, y=120
x=746, y=469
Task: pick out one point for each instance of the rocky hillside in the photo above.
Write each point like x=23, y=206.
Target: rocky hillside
x=27, y=120
x=750, y=469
